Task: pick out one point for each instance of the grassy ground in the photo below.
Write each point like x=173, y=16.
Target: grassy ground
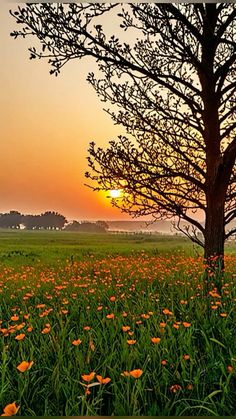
x=130, y=309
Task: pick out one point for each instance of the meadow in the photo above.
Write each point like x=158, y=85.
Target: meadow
x=113, y=325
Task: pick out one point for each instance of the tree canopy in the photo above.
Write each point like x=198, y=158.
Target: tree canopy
x=170, y=78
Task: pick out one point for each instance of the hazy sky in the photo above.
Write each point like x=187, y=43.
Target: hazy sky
x=46, y=126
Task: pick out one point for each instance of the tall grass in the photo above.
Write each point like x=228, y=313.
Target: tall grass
x=190, y=371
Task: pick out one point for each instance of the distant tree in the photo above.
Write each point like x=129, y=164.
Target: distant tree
x=52, y=220
x=85, y=227
x=102, y=224
x=32, y=222
x=174, y=90
x=12, y=219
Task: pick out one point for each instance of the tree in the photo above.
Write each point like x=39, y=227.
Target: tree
x=11, y=219
x=174, y=91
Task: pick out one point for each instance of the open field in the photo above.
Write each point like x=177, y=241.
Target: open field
x=114, y=324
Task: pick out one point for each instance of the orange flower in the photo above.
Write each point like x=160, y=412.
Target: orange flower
x=112, y=298
x=223, y=314
x=167, y=312
x=76, y=342
x=136, y=373
x=189, y=387
x=88, y=377
x=99, y=308
x=125, y=373
x=164, y=362
x=125, y=328
x=15, y=318
x=131, y=342
x=30, y=328
x=110, y=316
x=103, y=380
x=185, y=357
x=162, y=324
x=87, y=328
x=175, y=388
x=155, y=340
x=46, y=330
x=21, y=336
x=10, y=409
x=230, y=369
x=186, y=324
x=25, y=366
x=176, y=326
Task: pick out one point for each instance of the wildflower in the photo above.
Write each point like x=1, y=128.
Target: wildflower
x=88, y=377
x=21, y=336
x=186, y=324
x=10, y=409
x=189, y=387
x=29, y=329
x=186, y=357
x=125, y=328
x=76, y=342
x=167, y=312
x=176, y=326
x=46, y=329
x=99, y=308
x=112, y=298
x=110, y=316
x=155, y=340
x=25, y=366
x=87, y=328
x=15, y=318
x=103, y=380
x=230, y=369
x=175, y=388
x=131, y=341
x=136, y=373
x=125, y=374
x=223, y=314
x=164, y=362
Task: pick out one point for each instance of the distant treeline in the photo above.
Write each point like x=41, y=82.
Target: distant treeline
x=49, y=220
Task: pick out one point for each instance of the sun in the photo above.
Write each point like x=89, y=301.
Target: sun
x=115, y=193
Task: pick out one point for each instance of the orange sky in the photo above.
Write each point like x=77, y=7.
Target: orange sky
x=46, y=126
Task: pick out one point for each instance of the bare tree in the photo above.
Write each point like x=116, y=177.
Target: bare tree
x=172, y=86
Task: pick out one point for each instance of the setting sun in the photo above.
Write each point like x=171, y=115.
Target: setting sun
x=115, y=193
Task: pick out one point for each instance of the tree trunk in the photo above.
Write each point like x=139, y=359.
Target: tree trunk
x=214, y=241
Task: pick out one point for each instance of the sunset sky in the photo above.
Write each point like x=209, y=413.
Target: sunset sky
x=46, y=126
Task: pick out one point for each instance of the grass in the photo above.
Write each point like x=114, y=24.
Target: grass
x=114, y=293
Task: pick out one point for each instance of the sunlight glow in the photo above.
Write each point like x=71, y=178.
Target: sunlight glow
x=115, y=193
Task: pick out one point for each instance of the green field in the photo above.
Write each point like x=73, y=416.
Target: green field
x=128, y=309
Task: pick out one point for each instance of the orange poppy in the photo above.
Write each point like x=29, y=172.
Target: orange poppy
x=110, y=316
x=15, y=318
x=167, y=312
x=185, y=357
x=25, y=366
x=76, y=342
x=103, y=380
x=125, y=328
x=21, y=336
x=175, y=388
x=155, y=340
x=136, y=373
x=131, y=341
x=10, y=409
x=186, y=324
x=88, y=377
